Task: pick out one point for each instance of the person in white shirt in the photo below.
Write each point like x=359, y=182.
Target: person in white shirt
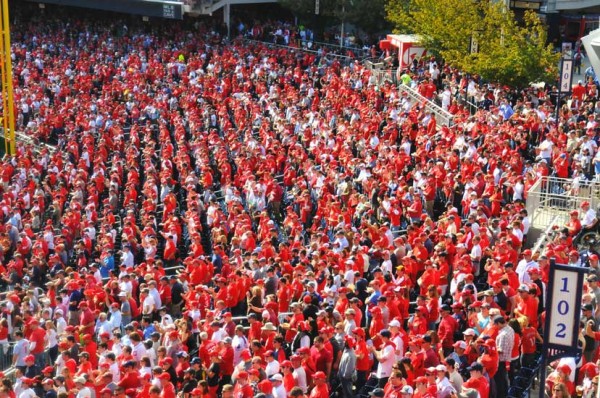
x=219, y=334
x=394, y=326
x=80, y=388
x=385, y=357
x=127, y=257
x=148, y=304
x=589, y=219
x=444, y=387
x=125, y=285
x=25, y=389
x=299, y=372
x=115, y=316
x=349, y=274
x=138, y=349
x=239, y=343
x=516, y=231
x=278, y=388
x=524, y=266
x=61, y=323
x=272, y=367
x=546, y=149
x=153, y=291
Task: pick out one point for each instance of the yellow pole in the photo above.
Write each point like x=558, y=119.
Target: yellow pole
x=7, y=91
x=4, y=96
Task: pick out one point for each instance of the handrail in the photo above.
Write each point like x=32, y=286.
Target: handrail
x=27, y=140
x=541, y=241
x=291, y=48
x=442, y=116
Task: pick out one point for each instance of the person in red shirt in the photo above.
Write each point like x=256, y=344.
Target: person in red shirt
x=242, y=389
x=477, y=381
x=529, y=335
x=85, y=366
x=170, y=251
x=421, y=388
x=577, y=94
x=130, y=378
x=527, y=306
x=363, y=360
x=87, y=320
x=574, y=224
x=36, y=342
x=226, y=356
x=320, y=389
x=322, y=357
x=446, y=329
x=288, y=375
x=168, y=389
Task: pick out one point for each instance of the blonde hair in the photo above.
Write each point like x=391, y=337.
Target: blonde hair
x=523, y=321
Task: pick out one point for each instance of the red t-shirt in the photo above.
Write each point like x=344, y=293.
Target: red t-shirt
x=364, y=363
x=321, y=358
x=528, y=340
x=480, y=384
x=37, y=337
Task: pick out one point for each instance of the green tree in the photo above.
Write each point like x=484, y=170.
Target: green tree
x=507, y=52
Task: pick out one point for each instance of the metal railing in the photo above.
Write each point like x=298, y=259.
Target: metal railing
x=382, y=76
x=340, y=57
x=545, y=236
x=443, y=117
x=550, y=199
x=24, y=139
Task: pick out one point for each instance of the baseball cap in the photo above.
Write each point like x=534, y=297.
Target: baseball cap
x=385, y=333
x=460, y=344
x=322, y=376
x=396, y=323
x=378, y=392
x=475, y=366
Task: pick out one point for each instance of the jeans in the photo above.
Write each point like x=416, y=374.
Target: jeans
x=501, y=379
x=347, y=385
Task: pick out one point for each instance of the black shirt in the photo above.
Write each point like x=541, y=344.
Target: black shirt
x=177, y=293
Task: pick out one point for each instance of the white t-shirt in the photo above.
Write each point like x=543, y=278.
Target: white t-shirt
x=28, y=393
x=84, y=393
x=588, y=218
x=388, y=358
x=272, y=368
x=300, y=377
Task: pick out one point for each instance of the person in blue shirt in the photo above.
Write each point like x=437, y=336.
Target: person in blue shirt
x=148, y=327
x=108, y=264
x=506, y=110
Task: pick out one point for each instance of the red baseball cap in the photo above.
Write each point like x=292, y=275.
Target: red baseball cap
x=319, y=375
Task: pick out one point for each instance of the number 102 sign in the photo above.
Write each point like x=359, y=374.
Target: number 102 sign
x=563, y=306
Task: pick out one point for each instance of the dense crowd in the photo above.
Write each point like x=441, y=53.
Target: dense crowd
x=226, y=219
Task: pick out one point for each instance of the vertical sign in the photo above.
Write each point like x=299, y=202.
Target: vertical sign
x=566, y=75
x=474, y=45
x=564, y=313
x=317, y=4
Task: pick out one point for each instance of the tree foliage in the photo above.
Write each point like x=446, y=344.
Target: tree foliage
x=508, y=52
